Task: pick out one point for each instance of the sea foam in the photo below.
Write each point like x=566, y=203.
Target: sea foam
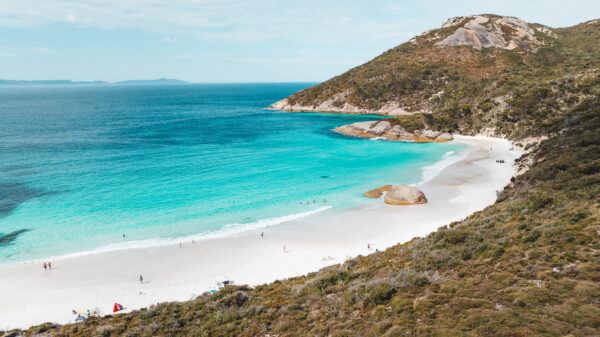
x=227, y=230
x=450, y=157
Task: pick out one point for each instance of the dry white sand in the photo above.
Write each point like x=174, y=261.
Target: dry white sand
x=29, y=295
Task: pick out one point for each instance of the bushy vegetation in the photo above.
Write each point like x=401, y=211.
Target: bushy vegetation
x=528, y=265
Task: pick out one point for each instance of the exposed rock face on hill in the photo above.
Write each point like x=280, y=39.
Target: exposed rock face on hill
x=404, y=195
x=339, y=104
x=485, y=32
x=384, y=129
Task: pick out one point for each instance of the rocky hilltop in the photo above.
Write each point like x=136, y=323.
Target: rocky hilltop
x=482, y=31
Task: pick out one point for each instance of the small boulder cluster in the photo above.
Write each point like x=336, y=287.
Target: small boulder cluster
x=384, y=129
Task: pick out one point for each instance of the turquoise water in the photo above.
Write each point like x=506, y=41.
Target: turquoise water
x=81, y=166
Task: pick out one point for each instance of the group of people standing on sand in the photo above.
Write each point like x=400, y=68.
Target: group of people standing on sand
x=47, y=265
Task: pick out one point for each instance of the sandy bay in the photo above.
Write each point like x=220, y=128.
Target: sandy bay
x=31, y=295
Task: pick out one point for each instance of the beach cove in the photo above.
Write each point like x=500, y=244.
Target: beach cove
x=464, y=184
x=80, y=172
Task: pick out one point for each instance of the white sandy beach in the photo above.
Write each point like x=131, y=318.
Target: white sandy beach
x=29, y=295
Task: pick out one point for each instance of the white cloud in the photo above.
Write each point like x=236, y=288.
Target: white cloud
x=298, y=60
x=7, y=51
x=231, y=20
x=145, y=14
x=168, y=39
x=39, y=50
x=70, y=18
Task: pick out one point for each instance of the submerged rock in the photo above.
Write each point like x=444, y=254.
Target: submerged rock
x=404, y=195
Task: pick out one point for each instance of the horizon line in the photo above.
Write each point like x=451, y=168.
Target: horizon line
x=6, y=82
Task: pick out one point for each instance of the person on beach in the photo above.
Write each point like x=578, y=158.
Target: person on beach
x=262, y=235
x=123, y=236
x=45, y=266
x=324, y=201
x=141, y=279
x=368, y=246
x=180, y=245
x=50, y=265
x=314, y=201
x=284, y=248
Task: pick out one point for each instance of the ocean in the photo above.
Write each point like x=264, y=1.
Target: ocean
x=100, y=167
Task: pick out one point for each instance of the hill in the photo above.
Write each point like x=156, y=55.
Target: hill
x=488, y=67
x=528, y=265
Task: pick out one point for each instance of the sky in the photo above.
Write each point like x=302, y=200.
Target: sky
x=230, y=40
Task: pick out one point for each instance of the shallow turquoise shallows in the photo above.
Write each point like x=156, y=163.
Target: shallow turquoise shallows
x=86, y=167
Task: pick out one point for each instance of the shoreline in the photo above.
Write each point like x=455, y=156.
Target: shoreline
x=228, y=230
x=428, y=172
x=335, y=112
x=328, y=106
x=91, y=281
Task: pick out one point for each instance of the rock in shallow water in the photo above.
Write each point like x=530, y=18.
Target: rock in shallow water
x=384, y=129
x=430, y=134
x=379, y=128
x=361, y=126
x=445, y=137
x=404, y=195
x=376, y=193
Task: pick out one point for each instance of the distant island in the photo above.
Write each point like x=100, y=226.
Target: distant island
x=160, y=81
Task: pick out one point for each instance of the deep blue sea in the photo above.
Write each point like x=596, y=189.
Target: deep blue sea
x=86, y=167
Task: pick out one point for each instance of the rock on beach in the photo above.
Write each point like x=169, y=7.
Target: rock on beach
x=404, y=195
